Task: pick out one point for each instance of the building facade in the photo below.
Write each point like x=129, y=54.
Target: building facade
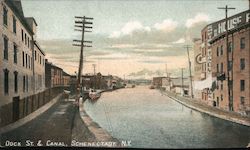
x=16, y=53
x=222, y=69
x=202, y=65
x=18, y=68
x=230, y=63
x=39, y=68
x=53, y=75
x=157, y=81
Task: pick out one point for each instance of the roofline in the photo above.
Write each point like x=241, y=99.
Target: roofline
x=224, y=19
x=52, y=65
x=222, y=35
x=32, y=19
x=38, y=46
x=20, y=17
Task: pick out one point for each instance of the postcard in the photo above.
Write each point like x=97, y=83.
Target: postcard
x=162, y=74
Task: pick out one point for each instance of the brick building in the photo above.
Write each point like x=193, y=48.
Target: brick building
x=232, y=75
x=157, y=81
x=202, y=65
x=53, y=75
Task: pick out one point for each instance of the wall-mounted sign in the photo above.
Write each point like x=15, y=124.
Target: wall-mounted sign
x=235, y=21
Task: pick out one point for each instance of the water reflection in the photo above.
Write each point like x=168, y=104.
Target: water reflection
x=152, y=120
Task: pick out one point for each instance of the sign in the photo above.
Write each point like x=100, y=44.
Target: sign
x=219, y=27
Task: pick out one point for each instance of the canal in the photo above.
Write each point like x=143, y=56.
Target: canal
x=151, y=120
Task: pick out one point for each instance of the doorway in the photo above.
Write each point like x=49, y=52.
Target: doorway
x=15, y=107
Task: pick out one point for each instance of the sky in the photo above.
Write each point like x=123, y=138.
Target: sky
x=131, y=38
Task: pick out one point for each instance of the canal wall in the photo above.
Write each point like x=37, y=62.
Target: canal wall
x=93, y=132
x=212, y=111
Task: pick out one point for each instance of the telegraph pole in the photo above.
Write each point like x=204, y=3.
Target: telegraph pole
x=182, y=83
x=94, y=66
x=230, y=92
x=81, y=25
x=167, y=69
x=190, y=73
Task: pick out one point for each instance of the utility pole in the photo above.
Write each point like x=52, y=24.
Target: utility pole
x=182, y=83
x=190, y=73
x=230, y=92
x=167, y=69
x=81, y=25
x=94, y=66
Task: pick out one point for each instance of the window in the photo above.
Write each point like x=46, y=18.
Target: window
x=230, y=65
x=28, y=61
x=16, y=81
x=6, y=81
x=22, y=35
x=221, y=67
x=35, y=55
x=40, y=60
x=221, y=85
x=27, y=83
x=217, y=51
x=242, y=100
x=15, y=53
x=5, y=39
x=14, y=24
x=25, y=37
x=230, y=47
x=28, y=42
x=242, y=43
x=242, y=63
x=31, y=64
x=230, y=84
x=242, y=85
x=26, y=58
x=24, y=83
x=221, y=50
x=221, y=97
x=23, y=60
x=5, y=16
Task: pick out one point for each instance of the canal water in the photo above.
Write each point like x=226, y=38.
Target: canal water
x=151, y=120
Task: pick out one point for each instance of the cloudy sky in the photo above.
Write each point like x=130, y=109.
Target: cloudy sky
x=130, y=37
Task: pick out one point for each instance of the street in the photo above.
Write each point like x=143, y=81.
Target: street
x=53, y=128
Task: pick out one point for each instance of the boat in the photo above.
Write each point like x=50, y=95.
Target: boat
x=94, y=95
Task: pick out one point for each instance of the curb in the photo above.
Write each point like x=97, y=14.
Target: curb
x=30, y=117
x=241, y=122
x=99, y=133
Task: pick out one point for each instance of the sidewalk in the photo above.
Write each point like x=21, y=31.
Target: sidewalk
x=196, y=105
x=55, y=127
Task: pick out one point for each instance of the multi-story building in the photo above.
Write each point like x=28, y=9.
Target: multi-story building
x=197, y=69
x=203, y=72
x=39, y=67
x=66, y=79
x=230, y=63
x=157, y=81
x=18, y=68
x=53, y=75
